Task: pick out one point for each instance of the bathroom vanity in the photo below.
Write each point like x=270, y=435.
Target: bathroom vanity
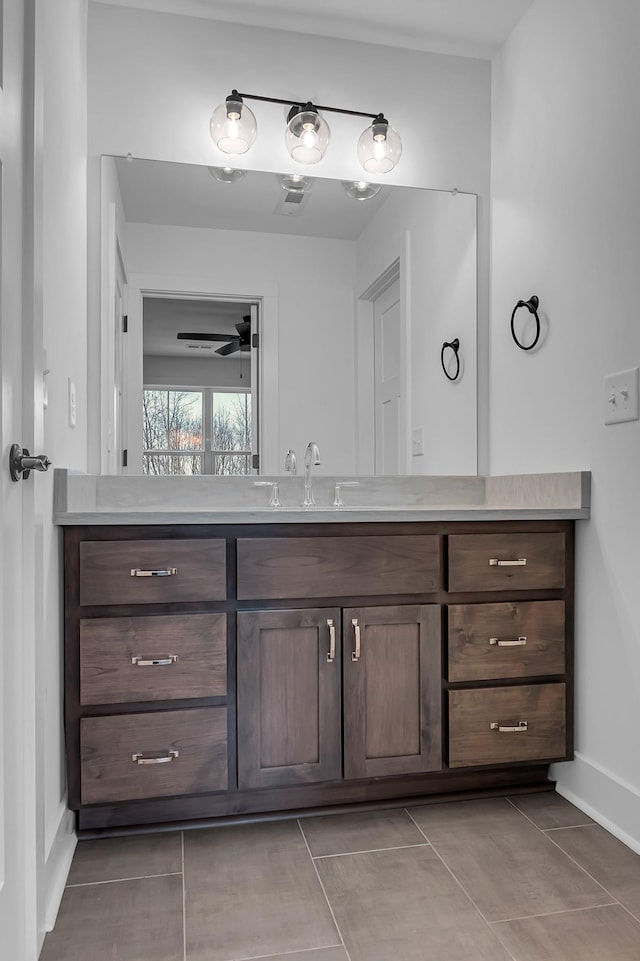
x=287, y=661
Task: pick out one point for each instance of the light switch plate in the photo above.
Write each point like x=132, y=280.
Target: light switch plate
x=621, y=396
x=417, y=441
x=73, y=410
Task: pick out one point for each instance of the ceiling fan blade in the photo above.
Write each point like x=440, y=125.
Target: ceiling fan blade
x=229, y=348
x=220, y=337
x=244, y=328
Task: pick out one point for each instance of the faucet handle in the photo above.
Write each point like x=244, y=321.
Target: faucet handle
x=274, y=500
x=337, y=491
x=290, y=463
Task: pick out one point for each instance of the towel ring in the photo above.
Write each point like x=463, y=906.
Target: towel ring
x=532, y=307
x=455, y=347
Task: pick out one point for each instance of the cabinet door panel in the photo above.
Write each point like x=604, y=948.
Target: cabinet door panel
x=392, y=683
x=289, y=726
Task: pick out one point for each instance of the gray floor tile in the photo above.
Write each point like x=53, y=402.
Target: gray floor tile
x=364, y=831
x=517, y=873
x=457, y=818
x=251, y=891
x=608, y=860
x=403, y=905
x=598, y=934
x=114, y=859
x=549, y=810
x=119, y=921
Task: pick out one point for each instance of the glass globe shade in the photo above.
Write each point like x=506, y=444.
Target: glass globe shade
x=360, y=189
x=379, y=148
x=233, y=127
x=307, y=136
x=227, y=175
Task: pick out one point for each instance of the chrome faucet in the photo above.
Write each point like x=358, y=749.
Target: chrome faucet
x=311, y=456
x=290, y=462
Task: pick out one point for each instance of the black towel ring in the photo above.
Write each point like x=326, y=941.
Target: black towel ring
x=532, y=307
x=455, y=347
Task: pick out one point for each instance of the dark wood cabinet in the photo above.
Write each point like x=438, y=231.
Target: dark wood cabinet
x=240, y=670
x=392, y=684
x=289, y=697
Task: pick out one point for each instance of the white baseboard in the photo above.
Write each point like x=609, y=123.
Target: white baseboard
x=608, y=799
x=58, y=866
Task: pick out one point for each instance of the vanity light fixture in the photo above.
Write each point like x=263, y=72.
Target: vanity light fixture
x=295, y=183
x=227, y=175
x=234, y=129
x=360, y=189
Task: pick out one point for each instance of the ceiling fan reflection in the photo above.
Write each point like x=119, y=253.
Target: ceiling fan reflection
x=232, y=342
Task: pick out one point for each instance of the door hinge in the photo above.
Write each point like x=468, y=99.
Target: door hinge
x=255, y=340
x=125, y=457
x=255, y=461
x=125, y=324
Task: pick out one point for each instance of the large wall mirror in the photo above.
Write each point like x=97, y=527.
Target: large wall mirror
x=266, y=311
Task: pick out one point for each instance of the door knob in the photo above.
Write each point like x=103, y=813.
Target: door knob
x=21, y=463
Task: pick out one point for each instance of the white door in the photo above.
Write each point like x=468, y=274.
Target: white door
x=17, y=672
x=387, y=320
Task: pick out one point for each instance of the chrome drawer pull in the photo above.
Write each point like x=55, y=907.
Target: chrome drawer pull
x=163, y=572
x=164, y=759
x=519, y=728
x=155, y=661
x=355, y=655
x=516, y=642
x=331, y=655
x=516, y=562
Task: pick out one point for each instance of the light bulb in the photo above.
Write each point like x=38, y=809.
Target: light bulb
x=379, y=147
x=233, y=126
x=307, y=134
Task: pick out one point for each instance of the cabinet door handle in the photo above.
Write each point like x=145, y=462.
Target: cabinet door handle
x=331, y=655
x=520, y=728
x=154, y=661
x=163, y=572
x=514, y=562
x=355, y=654
x=515, y=642
x=163, y=759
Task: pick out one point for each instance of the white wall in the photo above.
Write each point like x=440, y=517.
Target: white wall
x=435, y=233
x=155, y=97
x=164, y=371
x=312, y=396
x=566, y=195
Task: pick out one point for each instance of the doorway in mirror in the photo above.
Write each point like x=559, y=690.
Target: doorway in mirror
x=199, y=411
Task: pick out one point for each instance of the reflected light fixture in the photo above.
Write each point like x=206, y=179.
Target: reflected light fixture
x=295, y=182
x=234, y=129
x=360, y=189
x=227, y=175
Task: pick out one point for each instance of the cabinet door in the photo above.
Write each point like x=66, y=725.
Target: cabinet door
x=289, y=719
x=392, y=690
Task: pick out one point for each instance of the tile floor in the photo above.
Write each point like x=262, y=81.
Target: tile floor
x=528, y=878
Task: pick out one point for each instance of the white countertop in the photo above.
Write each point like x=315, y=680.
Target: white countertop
x=94, y=499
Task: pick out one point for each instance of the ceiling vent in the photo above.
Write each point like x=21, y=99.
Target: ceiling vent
x=292, y=202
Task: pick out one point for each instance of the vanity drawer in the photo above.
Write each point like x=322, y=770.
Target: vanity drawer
x=110, y=772
x=502, y=562
x=152, y=572
x=515, y=639
x=156, y=658
x=497, y=725
x=337, y=566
